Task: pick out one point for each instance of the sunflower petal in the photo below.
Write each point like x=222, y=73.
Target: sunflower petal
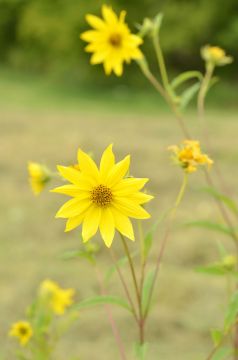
x=129, y=185
x=140, y=197
x=118, y=171
x=73, y=208
x=71, y=190
x=74, y=222
x=91, y=223
x=129, y=208
x=107, y=162
x=87, y=165
x=123, y=224
x=95, y=22
x=107, y=226
x=108, y=14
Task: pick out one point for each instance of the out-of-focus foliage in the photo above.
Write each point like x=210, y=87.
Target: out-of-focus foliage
x=43, y=35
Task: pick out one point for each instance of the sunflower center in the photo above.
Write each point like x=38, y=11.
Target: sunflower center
x=115, y=40
x=23, y=330
x=101, y=196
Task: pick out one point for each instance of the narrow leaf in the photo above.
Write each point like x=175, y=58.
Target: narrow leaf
x=222, y=353
x=148, y=240
x=188, y=95
x=102, y=300
x=217, y=336
x=185, y=76
x=232, y=312
x=211, y=226
x=223, y=198
x=214, y=269
x=146, y=289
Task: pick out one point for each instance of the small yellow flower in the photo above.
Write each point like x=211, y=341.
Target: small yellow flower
x=189, y=156
x=59, y=299
x=103, y=198
x=39, y=176
x=21, y=330
x=215, y=55
x=111, y=41
x=229, y=262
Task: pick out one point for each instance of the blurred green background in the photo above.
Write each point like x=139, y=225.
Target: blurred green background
x=51, y=102
x=43, y=35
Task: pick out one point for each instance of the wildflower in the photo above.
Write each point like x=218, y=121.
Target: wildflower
x=39, y=176
x=59, y=299
x=111, y=41
x=102, y=198
x=215, y=55
x=21, y=330
x=229, y=262
x=189, y=156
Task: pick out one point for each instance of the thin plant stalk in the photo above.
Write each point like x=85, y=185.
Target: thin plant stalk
x=114, y=328
x=124, y=284
x=165, y=240
x=141, y=323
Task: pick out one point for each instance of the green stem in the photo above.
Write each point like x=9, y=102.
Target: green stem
x=160, y=58
x=138, y=291
x=121, y=277
x=165, y=239
x=158, y=87
x=131, y=267
x=114, y=328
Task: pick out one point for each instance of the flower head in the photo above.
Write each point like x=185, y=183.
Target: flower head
x=189, y=156
x=215, y=55
x=39, y=176
x=111, y=41
x=102, y=198
x=58, y=299
x=21, y=330
x=229, y=262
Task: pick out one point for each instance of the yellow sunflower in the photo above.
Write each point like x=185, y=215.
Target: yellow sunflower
x=103, y=198
x=59, y=299
x=39, y=176
x=22, y=330
x=189, y=155
x=111, y=41
x=215, y=55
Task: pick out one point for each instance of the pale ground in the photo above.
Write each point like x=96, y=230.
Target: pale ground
x=187, y=304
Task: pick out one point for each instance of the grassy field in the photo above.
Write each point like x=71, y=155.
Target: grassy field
x=42, y=125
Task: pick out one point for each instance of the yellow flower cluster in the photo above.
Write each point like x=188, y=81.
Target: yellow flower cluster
x=22, y=330
x=102, y=198
x=189, y=156
x=215, y=55
x=39, y=175
x=58, y=299
x=111, y=41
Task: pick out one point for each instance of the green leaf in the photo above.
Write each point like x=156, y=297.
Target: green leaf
x=188, y=95
x=146, y=289
x=211, y=226
x=148, y=240
x=214, y=269
x=140, y=350
x=232, y=312
x=185, y=76
x=217, y=336
x=102, y=300
x=223, y=198
x=222, y=353
x=73, y=254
